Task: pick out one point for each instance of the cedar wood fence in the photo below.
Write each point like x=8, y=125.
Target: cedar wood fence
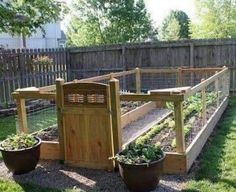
x=16, y=69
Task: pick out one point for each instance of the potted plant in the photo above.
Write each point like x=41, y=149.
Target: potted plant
x=141, y=165
x=21, y=152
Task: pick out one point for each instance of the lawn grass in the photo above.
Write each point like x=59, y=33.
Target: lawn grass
x=12, y=186
x=217, y=168
x=35, y=121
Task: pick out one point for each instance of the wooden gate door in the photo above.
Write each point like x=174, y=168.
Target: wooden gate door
x=86, y=124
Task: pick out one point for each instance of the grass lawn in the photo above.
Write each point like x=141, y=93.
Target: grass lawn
x=11, y=186
x=36, y=121
x=217, y=168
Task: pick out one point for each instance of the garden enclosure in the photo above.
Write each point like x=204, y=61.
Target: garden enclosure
x=92, y=127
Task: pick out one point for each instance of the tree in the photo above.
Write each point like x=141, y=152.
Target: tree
x=180, y=21
x=105, y=21
x=23, y=17
x=217, y=19
x=172, y=31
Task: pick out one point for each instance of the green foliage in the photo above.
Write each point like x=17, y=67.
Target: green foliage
x=18, y=141
x=217, y=19
x=25, y=17
x=103, y=21
x=140, y=153
x=192, y=106
x=175, y=26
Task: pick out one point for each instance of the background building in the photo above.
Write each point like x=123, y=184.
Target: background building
x=50, y=39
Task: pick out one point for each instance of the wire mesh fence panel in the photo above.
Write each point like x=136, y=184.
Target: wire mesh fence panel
x=7, y=124
x=150, y=81
x=193, y=78
x=41, y=116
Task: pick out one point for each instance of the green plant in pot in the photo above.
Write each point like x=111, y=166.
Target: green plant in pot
x=21, y=152
x=141, y=166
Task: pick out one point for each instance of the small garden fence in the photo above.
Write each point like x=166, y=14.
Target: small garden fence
x=90, y=123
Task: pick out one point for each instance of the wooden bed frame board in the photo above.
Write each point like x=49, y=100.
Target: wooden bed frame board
x=175, y=163
x=50, y=150
x=136, y=113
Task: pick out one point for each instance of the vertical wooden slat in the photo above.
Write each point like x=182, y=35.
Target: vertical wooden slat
x=21, y=115
x=138, y=80
x=116, y=114
x=217, y=91
x=180, y=77
x=179, y=126
x=59, y=102
x=203, y=92
x=192, y=63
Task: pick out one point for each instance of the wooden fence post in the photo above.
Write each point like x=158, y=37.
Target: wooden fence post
x=138, y=80
x=179, y=77
x=21, y=115
x=124, y=68
x=227, y=86
x=191, y=57
x=68, y=64
x=203, y=92
x=179, y=126
x=217, y=91
x=116, y=114
x=59, y=102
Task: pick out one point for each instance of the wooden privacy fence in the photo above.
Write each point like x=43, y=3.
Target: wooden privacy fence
x=19, y=68
x=78, y=63
x=90, y=123
x=97, y=60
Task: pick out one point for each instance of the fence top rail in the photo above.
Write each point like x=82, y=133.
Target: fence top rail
x=46, y=92
x=206, y=82
x=176, y=70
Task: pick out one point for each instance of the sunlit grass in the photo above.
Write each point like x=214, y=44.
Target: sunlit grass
x=36, y=121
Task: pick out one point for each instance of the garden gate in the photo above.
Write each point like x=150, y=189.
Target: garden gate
x=88, y=137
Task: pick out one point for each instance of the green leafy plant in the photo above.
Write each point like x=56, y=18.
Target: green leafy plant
x=192, y=106
x=140, y=153
x=18, y=141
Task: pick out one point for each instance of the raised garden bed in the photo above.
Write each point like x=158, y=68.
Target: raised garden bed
x=195, y=137
x=189, y=138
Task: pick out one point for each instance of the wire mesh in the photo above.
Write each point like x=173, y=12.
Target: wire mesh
x=7, y=122
x=193, y=78
x=150, y=81
x=41, y=116
x=196, y=115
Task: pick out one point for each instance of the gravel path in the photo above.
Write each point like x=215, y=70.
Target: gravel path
x=143, y=123
x=54, y=175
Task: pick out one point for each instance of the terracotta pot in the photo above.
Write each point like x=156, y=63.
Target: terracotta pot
x=22, y=161
x=142, y=177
